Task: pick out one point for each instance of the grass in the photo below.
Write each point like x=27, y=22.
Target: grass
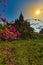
x=23, y=52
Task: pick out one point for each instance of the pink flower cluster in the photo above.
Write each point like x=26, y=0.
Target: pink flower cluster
x=4, y=20
x=8, y=53
x=10, y=33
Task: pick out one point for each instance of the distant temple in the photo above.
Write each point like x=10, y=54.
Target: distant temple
x=20, y=20
x=22, y=24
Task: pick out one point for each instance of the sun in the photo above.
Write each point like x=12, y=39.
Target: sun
x=38, y=12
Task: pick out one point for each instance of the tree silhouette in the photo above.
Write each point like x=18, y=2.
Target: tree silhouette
x=41, y=32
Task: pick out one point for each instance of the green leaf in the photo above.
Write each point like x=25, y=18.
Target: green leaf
x=0, y=59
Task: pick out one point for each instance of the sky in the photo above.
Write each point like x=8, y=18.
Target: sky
x=14, y=7
x=28, y=7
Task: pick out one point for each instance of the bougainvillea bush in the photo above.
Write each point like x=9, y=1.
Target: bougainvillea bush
x=9, y=33
x=22, y=52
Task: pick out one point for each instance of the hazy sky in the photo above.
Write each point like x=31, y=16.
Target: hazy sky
x=14, y=7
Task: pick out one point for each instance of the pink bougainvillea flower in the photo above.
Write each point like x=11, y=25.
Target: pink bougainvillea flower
x=9, y=53
x=6, y=30
x=7, y=62
x=4, y=1
x=3, y=59
x=11, y=64
x=18, y=34
x=7, y=49
x=3, y=34
x=11, y=37
x=12, y=28
x=4, y=19
x=5, y=4
x=0, y=14
x=15, y=36
x=7, y=36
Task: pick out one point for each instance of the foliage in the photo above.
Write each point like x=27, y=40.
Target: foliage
x=0, y=26
x=41, y=32
x=22, y=27
x=9, y=32
x=21, y=52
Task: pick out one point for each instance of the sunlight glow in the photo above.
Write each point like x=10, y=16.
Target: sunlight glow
x=38, y=12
